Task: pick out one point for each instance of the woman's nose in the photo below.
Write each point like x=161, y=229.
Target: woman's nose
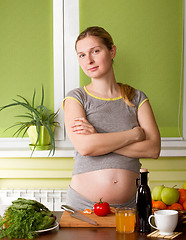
x=90, y=59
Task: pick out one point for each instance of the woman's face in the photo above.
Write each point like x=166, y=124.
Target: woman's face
x=94, y=57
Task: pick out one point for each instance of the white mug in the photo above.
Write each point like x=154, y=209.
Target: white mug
x=165, y=220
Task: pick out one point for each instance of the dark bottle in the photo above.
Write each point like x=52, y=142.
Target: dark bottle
x=143, y=202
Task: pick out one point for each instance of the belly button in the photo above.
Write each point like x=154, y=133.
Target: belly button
x=115, y=181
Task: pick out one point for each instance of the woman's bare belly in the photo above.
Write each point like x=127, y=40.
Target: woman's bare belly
x=115, y=186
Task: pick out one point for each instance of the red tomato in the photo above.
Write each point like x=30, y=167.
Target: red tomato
x=101, y=208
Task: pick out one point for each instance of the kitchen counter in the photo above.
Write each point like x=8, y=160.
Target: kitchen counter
x=97, y=234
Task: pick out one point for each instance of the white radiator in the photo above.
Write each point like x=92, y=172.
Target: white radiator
x=51, y=198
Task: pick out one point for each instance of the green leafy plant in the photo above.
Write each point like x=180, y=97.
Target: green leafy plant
x=35, y=116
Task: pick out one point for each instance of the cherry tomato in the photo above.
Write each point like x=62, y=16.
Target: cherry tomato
x=101, y=208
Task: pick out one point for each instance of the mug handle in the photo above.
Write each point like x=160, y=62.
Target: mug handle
x=150, y=221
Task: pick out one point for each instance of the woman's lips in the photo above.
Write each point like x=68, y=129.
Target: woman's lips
x=93, y=69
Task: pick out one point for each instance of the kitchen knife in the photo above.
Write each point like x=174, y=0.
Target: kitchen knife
x=78, y=215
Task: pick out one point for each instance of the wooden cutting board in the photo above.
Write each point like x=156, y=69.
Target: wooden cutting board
x=69, y=221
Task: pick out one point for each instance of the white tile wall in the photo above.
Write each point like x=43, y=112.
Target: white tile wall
x=51, y=198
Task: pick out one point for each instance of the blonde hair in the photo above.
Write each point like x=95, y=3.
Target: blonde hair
x=127, y=92
x=97, y=32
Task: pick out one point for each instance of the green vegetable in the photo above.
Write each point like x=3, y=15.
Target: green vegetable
x=23, y=218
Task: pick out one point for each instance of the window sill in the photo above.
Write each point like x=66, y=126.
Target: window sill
x=69, y=152
x=19, y=148
x=173, y=152
x=26, y=153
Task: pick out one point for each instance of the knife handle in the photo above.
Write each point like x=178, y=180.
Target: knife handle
x=68, y=208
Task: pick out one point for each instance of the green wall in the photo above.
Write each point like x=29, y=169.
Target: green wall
x=56, y=173
x=26, y=54
x=148, y=36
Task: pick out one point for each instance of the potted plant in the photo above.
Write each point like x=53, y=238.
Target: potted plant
x=39, y=123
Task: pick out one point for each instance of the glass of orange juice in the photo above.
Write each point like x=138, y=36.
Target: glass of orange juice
x=125, y=220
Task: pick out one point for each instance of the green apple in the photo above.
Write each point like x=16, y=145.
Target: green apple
x=156, y=192
x=184, y=185
x=170, y=195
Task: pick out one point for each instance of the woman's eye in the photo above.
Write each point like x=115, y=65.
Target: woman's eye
x=81, y=55
x=96, y=51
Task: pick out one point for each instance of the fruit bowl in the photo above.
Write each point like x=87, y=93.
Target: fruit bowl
x=181, y=215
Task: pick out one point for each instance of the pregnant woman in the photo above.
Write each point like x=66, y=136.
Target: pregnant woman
x=111, y=126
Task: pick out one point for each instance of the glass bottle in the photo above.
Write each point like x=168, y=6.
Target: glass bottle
x=143, y=202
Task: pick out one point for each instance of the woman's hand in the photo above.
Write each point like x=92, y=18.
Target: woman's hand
x=82, y=126
x=140, y=134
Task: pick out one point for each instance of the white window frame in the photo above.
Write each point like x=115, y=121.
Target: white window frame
x=66, y=67
x=66, y=77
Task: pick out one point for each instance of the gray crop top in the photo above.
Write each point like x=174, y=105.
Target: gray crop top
x=107, y=115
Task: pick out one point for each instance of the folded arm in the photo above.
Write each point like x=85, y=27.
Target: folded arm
x=87, y=141
x=150, y=147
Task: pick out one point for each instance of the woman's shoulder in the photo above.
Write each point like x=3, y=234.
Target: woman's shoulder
x=78, y=93
x=139, y=98
x=139, y=93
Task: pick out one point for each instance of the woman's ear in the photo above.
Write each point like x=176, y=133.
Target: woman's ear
x=113, y=51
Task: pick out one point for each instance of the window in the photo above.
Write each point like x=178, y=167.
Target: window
x=66, y=77
x=171, y=146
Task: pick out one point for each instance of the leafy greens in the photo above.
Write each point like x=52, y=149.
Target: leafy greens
x=23, y=218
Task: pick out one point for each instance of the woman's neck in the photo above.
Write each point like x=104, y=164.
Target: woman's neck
x=104, y=87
